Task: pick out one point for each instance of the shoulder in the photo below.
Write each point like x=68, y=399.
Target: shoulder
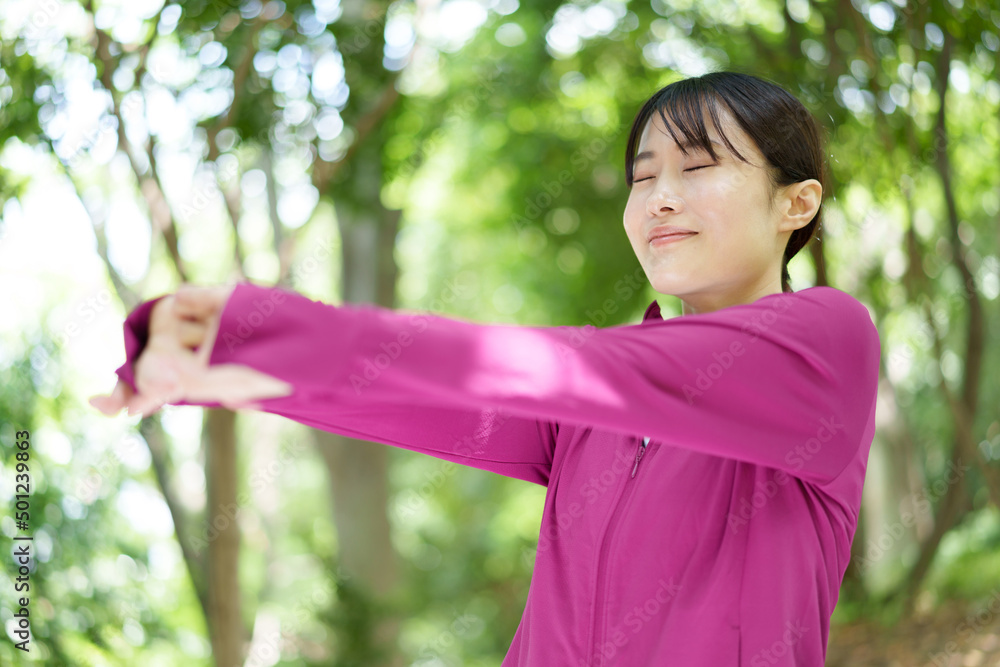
x=841, y=312
x=812, y=309
x=818, y=323
x=830, y=295
x=833, y=326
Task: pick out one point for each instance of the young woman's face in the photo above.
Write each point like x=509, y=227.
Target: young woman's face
x=734, y=253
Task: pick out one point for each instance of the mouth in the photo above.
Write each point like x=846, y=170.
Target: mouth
x=673, y=237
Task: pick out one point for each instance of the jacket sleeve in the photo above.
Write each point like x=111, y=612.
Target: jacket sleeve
x=483, y=437
x=787, y=381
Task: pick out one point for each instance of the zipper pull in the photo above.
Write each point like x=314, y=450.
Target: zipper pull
x=638, y=457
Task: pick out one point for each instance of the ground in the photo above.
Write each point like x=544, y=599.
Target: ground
x=955, y=634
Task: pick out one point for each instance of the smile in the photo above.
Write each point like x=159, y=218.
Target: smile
x=672, y=238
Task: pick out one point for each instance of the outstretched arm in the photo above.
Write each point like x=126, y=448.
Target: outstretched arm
x=787, y=381
x=485, y=438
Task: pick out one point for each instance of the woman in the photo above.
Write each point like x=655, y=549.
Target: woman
x=703, y=472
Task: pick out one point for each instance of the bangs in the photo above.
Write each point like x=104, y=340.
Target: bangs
x=681, y=106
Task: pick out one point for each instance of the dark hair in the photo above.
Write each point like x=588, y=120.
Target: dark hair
x=785, y=132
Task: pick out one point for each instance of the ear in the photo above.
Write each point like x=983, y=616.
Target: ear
x=799, y=203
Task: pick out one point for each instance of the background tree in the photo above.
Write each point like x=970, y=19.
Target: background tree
x=464, y=158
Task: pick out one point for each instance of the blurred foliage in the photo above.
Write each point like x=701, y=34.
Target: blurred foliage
x=100, y=591
x=486, y=123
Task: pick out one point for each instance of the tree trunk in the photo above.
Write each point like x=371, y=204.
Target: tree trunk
x=225, y=624
x=963, y=406
x=953, y=507
x=358, y=470
x=359, y=490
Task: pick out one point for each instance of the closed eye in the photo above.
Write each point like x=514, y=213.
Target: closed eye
x=691, y=169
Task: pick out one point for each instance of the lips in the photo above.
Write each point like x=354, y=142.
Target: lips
x=672, y=234
x=661, y=241
x=665, y=232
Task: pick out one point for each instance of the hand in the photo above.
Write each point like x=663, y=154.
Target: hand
x=174, y=366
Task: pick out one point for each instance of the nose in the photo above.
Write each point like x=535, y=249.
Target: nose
x=661, y=202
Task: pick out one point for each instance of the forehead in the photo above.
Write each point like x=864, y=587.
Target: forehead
x=655, y=130
x=726, y=139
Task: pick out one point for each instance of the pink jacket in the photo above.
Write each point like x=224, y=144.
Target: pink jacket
x=721, y=543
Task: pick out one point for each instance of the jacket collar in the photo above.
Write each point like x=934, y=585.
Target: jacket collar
x=653, y=309
x=652, y=312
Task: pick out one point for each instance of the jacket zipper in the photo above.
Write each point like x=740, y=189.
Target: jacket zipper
x=638, y=457
x=602, y=557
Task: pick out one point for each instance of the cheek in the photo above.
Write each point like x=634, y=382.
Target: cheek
x=631, y=218
x=727, y=202
x=630, y=204
x=721, y=193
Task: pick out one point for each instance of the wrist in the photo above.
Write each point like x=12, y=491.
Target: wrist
x=136, y=330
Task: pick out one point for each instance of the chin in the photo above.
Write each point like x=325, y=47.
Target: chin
x=671, y=286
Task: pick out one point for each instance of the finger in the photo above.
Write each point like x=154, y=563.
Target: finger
x=157, y=372
x=244, y=405
x=199, y=302
x=141, y=404
x=235, y=384
x=158, y=387
x=203, y=354
x=191, y=333
x=162, y=321
x=111, y=404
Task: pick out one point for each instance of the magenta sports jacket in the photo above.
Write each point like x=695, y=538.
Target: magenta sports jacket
x=722, y=542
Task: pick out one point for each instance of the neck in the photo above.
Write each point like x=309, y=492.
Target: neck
x=708, y=302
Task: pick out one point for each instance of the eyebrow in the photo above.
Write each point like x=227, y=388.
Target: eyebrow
x=645, y=155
